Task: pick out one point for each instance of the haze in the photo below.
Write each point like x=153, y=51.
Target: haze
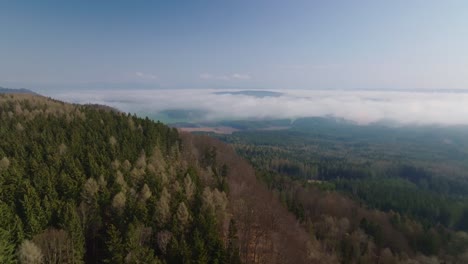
x=363, y=107
x=147, y=56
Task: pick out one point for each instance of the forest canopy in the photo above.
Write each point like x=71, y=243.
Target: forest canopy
x=89, y=184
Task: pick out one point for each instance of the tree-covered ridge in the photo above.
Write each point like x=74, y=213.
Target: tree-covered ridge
x=85, y=185
x=4, y=90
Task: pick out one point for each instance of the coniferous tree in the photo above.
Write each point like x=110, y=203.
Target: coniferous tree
x=7, y=248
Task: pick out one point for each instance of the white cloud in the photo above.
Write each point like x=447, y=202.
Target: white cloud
x=307, y=67
x=146, y=76
x=240, y=76
x=445, y=108
x=209, y=76
x=223, y=77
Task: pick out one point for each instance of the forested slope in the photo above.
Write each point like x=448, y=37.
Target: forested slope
x=363, y=198
x=85, y=184
x=88, y=184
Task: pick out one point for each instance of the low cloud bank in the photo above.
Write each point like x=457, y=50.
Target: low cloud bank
x=363, y=107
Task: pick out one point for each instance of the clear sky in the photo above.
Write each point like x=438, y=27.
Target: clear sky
x=394, y=44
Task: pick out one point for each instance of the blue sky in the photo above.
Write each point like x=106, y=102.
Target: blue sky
x=398, y=44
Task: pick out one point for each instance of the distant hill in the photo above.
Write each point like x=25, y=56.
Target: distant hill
x=15, y=91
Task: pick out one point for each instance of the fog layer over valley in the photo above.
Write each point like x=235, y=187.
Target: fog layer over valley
x=362, y=107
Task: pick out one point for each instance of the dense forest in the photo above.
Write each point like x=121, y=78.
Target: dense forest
x=89, y=184
x=404, y=190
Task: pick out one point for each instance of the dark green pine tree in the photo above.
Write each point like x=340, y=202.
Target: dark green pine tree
x=200, y=253
x=115, y=246
x=7, y=248
x=73, y=225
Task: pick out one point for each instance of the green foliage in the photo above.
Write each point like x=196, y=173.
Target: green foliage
x=115, y=246
x=373, y=230
x=411, y=175
x=107, y=183
x=7, y=248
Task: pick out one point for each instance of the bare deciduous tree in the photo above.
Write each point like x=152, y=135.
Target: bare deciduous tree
x=189, y=187
x=183, y=214
x=4, y=163
x=119, y=201
x=112, y=141
x=145, y=193
x=163, y=238
x=163, y=210
x=56, y=246
x=30, y=253
x=90, y=189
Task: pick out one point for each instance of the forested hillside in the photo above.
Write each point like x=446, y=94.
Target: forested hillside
x=365, y=192
x=87, y=184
